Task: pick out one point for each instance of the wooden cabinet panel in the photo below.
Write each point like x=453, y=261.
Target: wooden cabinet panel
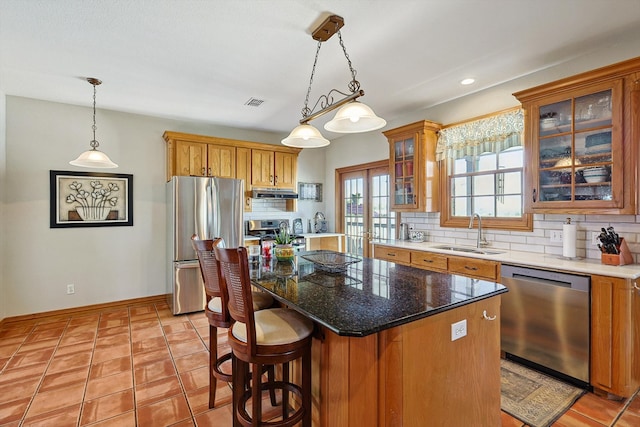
x=262, y=168
x=286, y=165
x=472, y=267
x=221, y=161
x=329, y=243
x=429, y=260
x=397, y=255
x=191, y=158
x=243, y=172
x=615, y=344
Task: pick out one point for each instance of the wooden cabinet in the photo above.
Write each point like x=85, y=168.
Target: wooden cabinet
x=393, y=254
x=615, y=335
x=413, y=168
x=473, y=267
x=333, y=242
x=259, y=165
x=429, y=260
x=416, y=375
x=435, y=261
x=579, y=142
x=198, y=159
x=273, y=169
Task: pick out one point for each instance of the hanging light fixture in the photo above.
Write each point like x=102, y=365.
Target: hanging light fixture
x=352, y=117
x=93, y=158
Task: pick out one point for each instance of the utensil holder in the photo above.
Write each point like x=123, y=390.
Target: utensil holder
x=624, y=256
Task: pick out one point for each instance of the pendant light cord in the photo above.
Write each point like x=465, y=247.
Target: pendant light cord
x=94, y=144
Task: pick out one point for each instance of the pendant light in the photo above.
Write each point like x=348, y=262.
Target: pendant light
x=352, y=117
x=93, y=158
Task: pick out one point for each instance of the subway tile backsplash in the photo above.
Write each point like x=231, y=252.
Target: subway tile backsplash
x=539, y=240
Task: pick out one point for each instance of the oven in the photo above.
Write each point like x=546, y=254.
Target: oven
x=266, y=230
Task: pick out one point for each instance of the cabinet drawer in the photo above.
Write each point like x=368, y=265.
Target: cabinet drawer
x=429, y=260
x=400, y=256
x=479, y=268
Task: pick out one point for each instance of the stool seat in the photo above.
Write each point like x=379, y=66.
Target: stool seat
x=276, y=326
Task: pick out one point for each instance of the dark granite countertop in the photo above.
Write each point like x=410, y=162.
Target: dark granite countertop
x=370, y=295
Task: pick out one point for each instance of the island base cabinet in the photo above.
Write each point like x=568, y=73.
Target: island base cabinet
x=412, y=375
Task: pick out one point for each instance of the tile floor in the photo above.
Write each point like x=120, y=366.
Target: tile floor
x=142, y=366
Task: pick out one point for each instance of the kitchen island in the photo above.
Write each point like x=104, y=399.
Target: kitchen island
x=396, y=345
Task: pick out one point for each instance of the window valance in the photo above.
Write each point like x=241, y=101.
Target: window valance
x=492, y=134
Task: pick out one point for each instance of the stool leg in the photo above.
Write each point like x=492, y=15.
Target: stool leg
x=306, y=387
x=238, y=382
x=213, y=357
x=271, y=377
x=256, y=394
x=285, y=392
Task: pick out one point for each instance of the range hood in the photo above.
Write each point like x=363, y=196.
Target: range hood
x=273, y=193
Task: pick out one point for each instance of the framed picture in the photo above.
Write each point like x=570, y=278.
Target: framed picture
x=90, y=199
x=310, y=191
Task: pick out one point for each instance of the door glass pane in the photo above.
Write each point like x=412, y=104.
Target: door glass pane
x=353, y=214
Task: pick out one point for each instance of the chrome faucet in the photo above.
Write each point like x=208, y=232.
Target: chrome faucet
x=481, y=241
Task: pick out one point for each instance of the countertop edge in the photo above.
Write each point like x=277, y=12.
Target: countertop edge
x=530, y=259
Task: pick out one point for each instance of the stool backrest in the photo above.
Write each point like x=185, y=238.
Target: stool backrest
x=234, y=269
x=209, y=269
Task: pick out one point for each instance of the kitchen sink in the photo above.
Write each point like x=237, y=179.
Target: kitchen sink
x=468, y=249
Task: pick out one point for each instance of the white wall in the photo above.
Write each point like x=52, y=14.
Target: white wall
x=3, y=240
x=105, y=263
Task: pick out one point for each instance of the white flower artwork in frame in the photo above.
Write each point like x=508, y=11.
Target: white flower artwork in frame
x=90, y=199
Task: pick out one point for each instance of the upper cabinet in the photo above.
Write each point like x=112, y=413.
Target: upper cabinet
x=413, y=167
x=199, y=159
x=273, y=169
x=258, y=165
x=581, y=138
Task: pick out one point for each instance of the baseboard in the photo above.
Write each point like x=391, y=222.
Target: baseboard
x=85, y=309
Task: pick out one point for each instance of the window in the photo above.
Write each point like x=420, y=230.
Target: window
x=483, y=172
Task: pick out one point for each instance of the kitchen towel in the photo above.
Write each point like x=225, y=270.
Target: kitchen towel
x=569, y=240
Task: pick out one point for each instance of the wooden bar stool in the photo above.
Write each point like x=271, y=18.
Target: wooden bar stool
x=217, y=312
x=265, y=337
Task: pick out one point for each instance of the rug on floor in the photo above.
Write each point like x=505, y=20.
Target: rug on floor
x=533, y=397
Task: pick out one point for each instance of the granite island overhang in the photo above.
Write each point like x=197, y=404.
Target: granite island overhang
x=386, y=337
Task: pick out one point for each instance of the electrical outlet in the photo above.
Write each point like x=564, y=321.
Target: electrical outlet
x=556, y=236
x=458, y=330
x=71, y=289
x=594, y=238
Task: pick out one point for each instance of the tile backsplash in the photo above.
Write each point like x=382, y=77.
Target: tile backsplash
x=536, y=241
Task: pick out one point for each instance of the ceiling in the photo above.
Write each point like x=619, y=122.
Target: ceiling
x=203, y=60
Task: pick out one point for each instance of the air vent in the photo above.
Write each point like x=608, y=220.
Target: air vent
x=253, y=102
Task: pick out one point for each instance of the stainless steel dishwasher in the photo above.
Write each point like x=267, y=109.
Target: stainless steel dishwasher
x=545, y=320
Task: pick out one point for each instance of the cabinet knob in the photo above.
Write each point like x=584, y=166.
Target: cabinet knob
x=203, y=172
x=486, y=317
x=209, y=172
x=534, y=195
x=469, y=267
x=276, y=180
x=271, y=178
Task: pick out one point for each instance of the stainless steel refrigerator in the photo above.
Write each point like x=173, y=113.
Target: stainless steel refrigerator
x=207, y=207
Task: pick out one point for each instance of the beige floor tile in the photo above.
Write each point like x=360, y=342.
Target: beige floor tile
x=155, y=391
x=13, y=410
x=128, y=419
x=10, y=375
x=38, y=345
x=110, y=367
x=69, y=361
x=192, y=361
x=34, y=357
x=154, y=371
x=63, y=379
x=67, y=416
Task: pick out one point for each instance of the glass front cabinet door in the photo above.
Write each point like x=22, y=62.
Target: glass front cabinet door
x=580, y=155
x=413, y=169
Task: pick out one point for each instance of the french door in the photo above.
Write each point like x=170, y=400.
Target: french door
x=364, y=203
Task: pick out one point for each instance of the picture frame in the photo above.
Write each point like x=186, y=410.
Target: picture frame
x=90, y=199
x=310, y=191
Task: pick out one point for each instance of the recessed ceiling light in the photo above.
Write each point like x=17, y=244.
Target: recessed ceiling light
x=467, y=81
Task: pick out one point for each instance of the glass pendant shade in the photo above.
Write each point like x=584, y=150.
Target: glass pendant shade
x=305, y=136
x=93, y=159
x=355, y=117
